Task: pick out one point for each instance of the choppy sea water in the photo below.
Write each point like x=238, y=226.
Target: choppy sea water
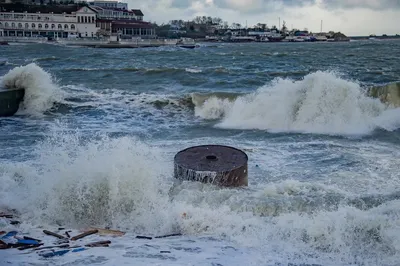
x=94, y=140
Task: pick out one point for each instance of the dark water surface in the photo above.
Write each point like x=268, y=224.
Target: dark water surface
x=324, y=179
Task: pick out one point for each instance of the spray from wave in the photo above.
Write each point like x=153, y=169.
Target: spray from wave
x=320, y=103
x=41, y=90
x=124, y=183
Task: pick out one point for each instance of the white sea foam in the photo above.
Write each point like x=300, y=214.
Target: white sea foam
x=193, y=70
x=320, y=103
x=76, y=181
x=41, y=89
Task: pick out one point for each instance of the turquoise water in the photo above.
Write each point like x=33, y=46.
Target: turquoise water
x=93, y=145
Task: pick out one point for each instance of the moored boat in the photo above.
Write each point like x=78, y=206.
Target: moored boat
x=187, y=43
x=276, y=38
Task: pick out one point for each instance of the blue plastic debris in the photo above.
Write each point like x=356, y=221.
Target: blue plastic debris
x=27, y=242
x=9, y=234
x=49, y=254
x=78, y=249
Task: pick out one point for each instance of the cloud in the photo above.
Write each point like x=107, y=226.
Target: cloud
x=260, y=6
x=242, y=6
x=181, y=3
x=368, y=4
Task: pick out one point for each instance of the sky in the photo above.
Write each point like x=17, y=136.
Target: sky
x=351, y=17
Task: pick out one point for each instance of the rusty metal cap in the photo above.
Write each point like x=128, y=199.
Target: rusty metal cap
x=216, y=158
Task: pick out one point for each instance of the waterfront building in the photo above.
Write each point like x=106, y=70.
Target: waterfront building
x=49, y=21
x=117, y=13
x=127, y=29
x=77, y=20
x=124, y=23
x=109, y=4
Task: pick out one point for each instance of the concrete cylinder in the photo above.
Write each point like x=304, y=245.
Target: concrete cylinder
x=10, y=100
x=216, y=164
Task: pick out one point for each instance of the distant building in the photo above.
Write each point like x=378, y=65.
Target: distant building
x=49, y=21
x=119, y=20
x=42, y=2
x=109, y=4
x=127, y=29
x=81, y=20
x=116, y=13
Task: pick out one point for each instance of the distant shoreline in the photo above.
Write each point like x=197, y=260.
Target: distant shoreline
x=374, y=37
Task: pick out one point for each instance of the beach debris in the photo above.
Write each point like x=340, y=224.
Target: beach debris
x=3, y=245
x=56, y=246
x=60, y=246
x=31, y=238
x=144, y=237
x=5, y=215
x=30, y=246
x=170, y=235
x=53, y=253
x=163, y=236
x=108, y=231
x=13, y=242
x=78, y=249
x=9, y=234
x=15, y=222
x=62, y=241
x=27, y=242
x=99, y=244
x=9, y=239
x=53, y=234
x=84, y=234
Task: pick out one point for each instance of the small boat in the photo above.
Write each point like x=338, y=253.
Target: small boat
x=4, y=43
x=275, y=38
x=187, y=43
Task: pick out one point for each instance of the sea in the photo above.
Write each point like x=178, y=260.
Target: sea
x=93, y=145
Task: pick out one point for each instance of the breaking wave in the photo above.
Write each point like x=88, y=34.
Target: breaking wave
x=41, y=89
x=126, y=184
x=322, y=103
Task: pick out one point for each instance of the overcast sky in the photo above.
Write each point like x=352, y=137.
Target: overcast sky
x=352, y=17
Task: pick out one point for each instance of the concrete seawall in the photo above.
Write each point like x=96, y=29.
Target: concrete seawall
x=133, y=43
x=389, y=94
x=102, y=43
x=10, y=100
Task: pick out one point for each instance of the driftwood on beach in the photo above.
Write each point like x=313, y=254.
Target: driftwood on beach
x=53, y=234
x=84, y=234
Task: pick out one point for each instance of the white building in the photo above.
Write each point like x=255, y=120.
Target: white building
x=115, y=13
x=61, y=22
x=109, y=4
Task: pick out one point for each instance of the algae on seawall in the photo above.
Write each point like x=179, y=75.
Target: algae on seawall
x=389, y=93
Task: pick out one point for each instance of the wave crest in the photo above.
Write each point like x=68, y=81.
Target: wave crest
x=320, y=103
x=41, y=90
